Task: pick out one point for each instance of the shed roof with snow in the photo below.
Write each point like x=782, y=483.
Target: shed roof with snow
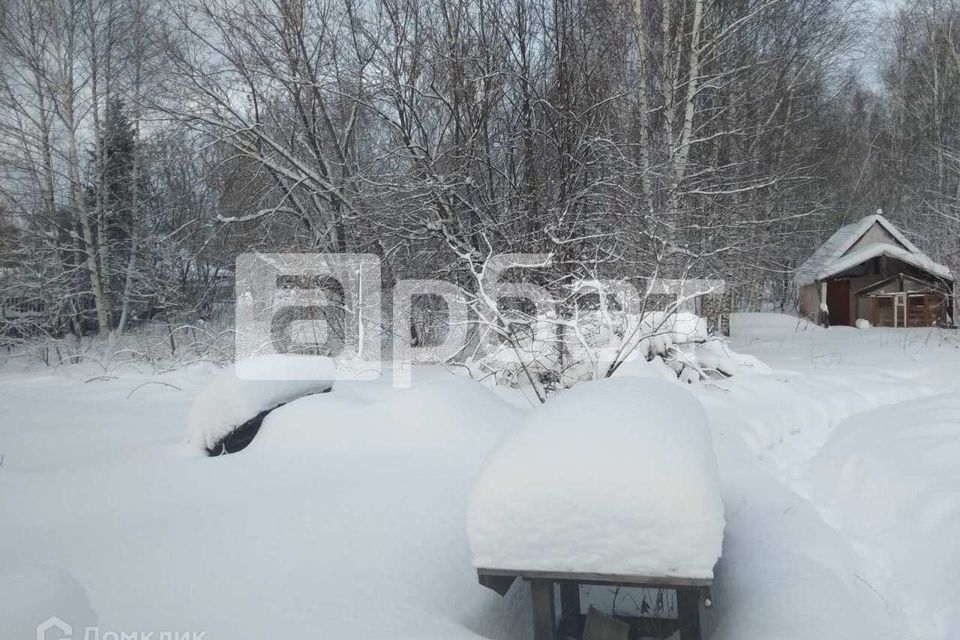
x=870, y=237
x=869, y=271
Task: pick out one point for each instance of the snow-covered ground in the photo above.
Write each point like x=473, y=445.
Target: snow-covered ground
x=824, y=465
x=347, y=516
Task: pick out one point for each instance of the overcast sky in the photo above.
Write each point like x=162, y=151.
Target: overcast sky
x=874, y=41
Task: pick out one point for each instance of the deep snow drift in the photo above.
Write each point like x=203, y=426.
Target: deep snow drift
x=241, y=392
x=890, y=479
x=791, y=567
x=346, y=517
x=616, y=476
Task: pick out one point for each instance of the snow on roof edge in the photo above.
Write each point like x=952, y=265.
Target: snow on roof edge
x=921, y=261
x=831, y=253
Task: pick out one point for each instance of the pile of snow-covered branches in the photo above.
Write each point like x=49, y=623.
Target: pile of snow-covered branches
x=600, y=343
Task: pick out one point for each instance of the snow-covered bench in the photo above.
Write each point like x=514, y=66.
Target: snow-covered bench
x=613, y=483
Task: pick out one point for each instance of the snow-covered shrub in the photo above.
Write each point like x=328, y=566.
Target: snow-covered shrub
x=158, y=345
x=530, y=352
x=602, y=342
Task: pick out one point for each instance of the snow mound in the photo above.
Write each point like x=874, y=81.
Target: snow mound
x=31, y=594
x=241, y=392
x=889, y=479
x=656, y=367
x=616, y=476
x=758, y=325
x=440, y=415
x=718, y=356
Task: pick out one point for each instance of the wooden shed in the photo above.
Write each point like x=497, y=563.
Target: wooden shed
x=869, y=270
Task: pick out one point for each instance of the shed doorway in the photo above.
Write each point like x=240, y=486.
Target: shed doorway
x=838, y=302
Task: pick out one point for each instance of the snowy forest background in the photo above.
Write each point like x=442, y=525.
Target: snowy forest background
x=145, y=143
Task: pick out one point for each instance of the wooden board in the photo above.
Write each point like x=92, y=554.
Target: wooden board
x=688, y=610
x=655, y=582
x=600, y=626
x=544, y=611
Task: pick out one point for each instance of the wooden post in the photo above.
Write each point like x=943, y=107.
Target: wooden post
x=544, y=611
x=688, y=612
x=824, y=316
x=569, y=598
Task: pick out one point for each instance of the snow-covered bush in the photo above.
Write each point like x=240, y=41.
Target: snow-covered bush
x=601, y=343
x=158, y=345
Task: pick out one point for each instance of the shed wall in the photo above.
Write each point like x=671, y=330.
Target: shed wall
x=859, y=308
x=810, y=301
x=874, y=235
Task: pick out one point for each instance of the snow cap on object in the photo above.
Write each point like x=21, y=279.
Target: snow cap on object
x=832, y=256
x=919, y=260
x=441, y=413
x=616, y=476
x=242, y=391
